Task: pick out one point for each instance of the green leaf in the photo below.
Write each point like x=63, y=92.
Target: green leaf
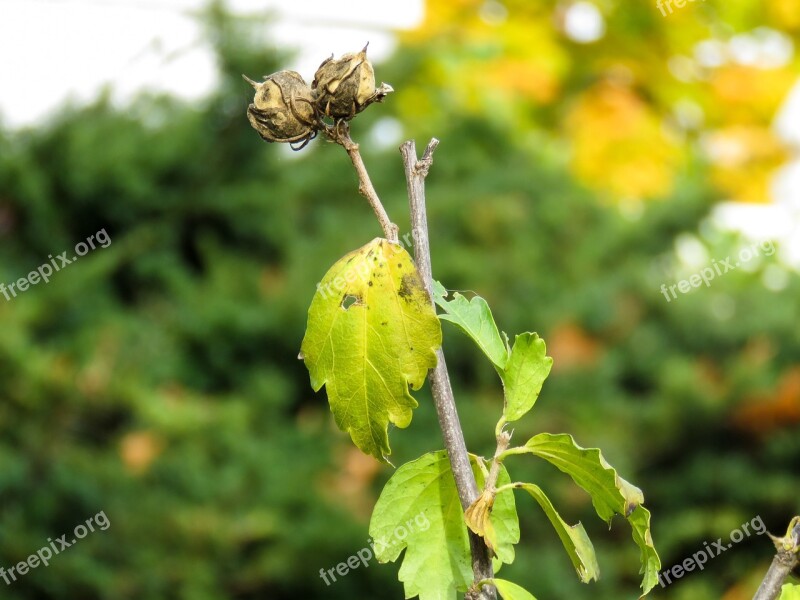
x=523, y=369
x=574, y=537
x=648, y=558
x=790, y=592
x=511, y=591
x=524, y=374
x=372, y=332
x=609, y=492
x=437, y=560
x=475, y=318
x=497, y=564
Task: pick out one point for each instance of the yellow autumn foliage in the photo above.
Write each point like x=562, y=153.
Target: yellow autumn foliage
x=619, y=144
x=638, y=104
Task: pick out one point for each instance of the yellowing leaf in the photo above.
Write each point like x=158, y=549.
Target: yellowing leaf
x=372, y=331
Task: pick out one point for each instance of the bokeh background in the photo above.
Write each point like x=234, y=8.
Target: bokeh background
x=591, y=152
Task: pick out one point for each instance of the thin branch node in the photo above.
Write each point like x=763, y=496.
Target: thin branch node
x=423, y=165
x=427, y=156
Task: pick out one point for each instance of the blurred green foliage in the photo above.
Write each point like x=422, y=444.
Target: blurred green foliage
x=157, y=379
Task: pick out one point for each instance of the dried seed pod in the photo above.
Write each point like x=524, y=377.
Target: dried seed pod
x=346, y=86
x=283, y=108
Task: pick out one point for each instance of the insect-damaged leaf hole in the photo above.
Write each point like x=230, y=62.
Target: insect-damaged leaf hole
x=349, y=300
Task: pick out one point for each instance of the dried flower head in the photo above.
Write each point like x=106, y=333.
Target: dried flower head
x=283, y=108
x=346, y=86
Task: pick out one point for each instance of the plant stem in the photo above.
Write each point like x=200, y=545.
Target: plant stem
x=416, y=172
x=508, y=486
x=340, y=134
x=786, y=559
x=503, y=439
x=499, y=428
x=512, y=451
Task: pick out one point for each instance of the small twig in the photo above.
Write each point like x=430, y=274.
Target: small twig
x=416, y=171
x=340, y=134
x=503, y=440
x=786, y=559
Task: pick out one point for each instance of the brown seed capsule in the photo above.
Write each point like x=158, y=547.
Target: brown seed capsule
x=283, y=108
x=346, y=86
